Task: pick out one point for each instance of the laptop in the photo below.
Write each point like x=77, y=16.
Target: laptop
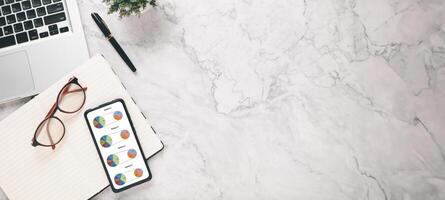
x=40, y=41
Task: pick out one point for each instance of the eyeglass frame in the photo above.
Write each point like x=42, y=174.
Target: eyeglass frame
x=51, y=114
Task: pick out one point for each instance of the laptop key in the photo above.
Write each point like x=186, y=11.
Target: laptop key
x=2, y=21
x=51, y=19
x=43, y=34
x=7, y=41
x=11, y=19
x=63, y=29
x=22, y=37
x=21, y=16
x=45, y=2
x=28, y=25
x=33, y=34
x=7, y=30
x=38, y=22
x=54, y=8
x=1, y=32
x=2, y=2
x=36, y=3
x=41, y=11
x=26, y=5
x=53, y=30
x=16, y=7
x=31, y=14
x=18, y=27
x=6, y=10
x=9, y=1
x=52, y=27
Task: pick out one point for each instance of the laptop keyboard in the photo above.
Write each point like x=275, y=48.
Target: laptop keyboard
x=23, y=21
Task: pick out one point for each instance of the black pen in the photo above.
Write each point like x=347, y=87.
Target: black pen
x=104, y=28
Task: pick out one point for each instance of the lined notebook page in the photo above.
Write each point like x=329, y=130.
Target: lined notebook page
x=73, y=170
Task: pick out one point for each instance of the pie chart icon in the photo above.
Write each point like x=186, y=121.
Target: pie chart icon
x=112, y=160
x=99, y=122
x=120, y=179
x=125, y=134
x=117, y=115
x=131, y=153
x=105, y=141
x=138, y=172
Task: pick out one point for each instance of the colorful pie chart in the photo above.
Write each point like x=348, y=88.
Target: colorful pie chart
x=138, y=172
x=131, y=153
x=120, y=179
x=117, y=115
x=125, y=134
x=99, y=122
x=106, y=141
x=113, y=160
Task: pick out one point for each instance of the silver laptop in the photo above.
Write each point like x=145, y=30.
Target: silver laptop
x=40, y=41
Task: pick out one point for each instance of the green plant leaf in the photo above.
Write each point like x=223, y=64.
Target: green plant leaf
x=128, y=7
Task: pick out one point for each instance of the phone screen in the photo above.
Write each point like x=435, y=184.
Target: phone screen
x=118, y=145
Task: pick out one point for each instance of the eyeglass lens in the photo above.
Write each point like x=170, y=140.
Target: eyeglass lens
x=71, y=98
x=51, y=131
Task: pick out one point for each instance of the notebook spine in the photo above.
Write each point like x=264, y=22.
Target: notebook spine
x=136, y=104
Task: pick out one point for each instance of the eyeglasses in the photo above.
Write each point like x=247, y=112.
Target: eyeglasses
x=51, y=130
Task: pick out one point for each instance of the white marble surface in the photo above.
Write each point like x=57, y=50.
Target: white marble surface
x=289, y=99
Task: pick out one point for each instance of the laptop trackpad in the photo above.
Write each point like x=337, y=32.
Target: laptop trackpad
x=15, y=75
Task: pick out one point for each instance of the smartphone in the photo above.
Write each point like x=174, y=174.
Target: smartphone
x=117, y=144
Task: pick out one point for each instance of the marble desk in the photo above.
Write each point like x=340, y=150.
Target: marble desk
x=287, y=99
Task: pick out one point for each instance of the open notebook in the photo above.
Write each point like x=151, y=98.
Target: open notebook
x=73, y=170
